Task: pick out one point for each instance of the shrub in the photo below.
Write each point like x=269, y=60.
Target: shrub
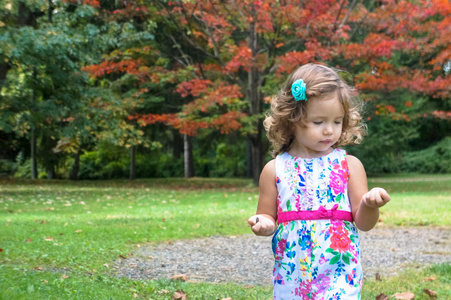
x=7, y=167
x=155, y=164
x=435, y=159
x=114, y=170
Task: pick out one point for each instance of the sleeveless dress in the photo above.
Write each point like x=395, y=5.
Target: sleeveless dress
x=316, y=244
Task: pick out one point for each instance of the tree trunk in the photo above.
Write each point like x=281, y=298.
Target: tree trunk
x=75, y=167
x=50, y=172
x=132, y=162
x=177, y=144
x=249, y=170
x=34, y=165
x=256, y=103
x=188, y=151
x=4, y=67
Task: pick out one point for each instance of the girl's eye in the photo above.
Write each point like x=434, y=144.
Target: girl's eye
x=338, y=122
x=318, y=123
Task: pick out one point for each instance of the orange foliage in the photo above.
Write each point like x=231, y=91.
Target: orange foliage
x=130, y=66
x=420, y=27
x=445, y=115
x=228, y=122
x=93, y=3
x=289, y=35
x=193, y=87
x=242, y=57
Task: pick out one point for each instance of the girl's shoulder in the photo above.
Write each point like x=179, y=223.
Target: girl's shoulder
x=270, y=165
x=355, y=165
x=269, y=171
x=352, y=160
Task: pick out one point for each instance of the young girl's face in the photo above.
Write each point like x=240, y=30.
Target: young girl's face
x=322, y=129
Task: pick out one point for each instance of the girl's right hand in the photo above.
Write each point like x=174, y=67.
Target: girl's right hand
x=376, y=197
x=262, y=225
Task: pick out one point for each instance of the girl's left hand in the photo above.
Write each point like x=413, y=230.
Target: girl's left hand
x=375, y=198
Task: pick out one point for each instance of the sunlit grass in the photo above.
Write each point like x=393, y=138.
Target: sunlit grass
x=436, y=278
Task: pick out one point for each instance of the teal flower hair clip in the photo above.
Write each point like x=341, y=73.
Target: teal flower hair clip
x=298, y=90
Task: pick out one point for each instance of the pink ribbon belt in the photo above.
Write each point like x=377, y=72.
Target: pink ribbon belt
x=320, y=214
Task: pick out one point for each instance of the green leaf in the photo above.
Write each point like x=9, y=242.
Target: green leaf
x=288, y=205
x=346, y=259
x=330, y=250
x=335, y=259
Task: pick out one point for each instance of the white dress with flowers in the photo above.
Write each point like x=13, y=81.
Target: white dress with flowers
x=315, y=259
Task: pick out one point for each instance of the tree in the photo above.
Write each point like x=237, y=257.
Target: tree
x=43, y=82
x=401, y=55
x=124, y=71
x=239, y=53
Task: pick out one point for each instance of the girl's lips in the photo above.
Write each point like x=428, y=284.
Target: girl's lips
x=326, y=141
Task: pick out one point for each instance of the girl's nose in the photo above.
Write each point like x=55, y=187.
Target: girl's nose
x=328, y=130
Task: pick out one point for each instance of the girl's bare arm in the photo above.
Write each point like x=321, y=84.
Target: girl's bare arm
x=364, y=204
x=267, y=202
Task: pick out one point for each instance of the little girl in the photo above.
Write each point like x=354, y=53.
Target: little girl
x=315, y=192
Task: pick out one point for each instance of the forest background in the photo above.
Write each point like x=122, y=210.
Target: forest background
x=101, y=89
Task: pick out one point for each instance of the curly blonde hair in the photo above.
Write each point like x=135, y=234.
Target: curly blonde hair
x=321, y=82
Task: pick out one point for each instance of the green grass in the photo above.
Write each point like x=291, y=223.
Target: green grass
x=53, y=229
x=436, y=278
x=416, y=200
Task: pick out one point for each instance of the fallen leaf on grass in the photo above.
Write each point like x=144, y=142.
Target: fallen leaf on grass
x=49, y=239
x=179, y=295
x=378, y=277
x=64, y=276
x=135, y=295
x=382, y=296
x=226, y=299
x=45, y=281
x=431, y=293
x=179, y=277
x=430, y=279
x=1, y=250
x=78, y=231
x=28, y=240
x=38, y=268
x=163, y=291
x=404, y=296
x=106, y=265
x=121, y=256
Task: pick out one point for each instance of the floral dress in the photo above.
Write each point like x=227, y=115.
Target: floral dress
x=316, y=245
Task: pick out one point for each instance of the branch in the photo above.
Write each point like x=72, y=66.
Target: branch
x=183, y=55
x=215, y=46
x=348, y=13
x=361, y=21
x=338, y=16
x=182, y=32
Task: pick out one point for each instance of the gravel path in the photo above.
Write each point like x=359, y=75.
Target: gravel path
x=248, y=259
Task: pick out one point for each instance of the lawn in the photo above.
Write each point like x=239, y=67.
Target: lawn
x=58, y=239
